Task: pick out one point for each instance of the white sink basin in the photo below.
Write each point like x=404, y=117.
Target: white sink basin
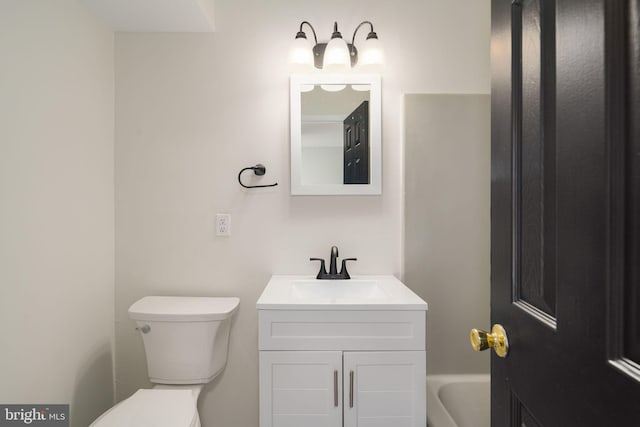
x=337, y=289
x=359, y=293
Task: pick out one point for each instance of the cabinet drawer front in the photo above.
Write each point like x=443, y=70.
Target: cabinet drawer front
x=341, y=330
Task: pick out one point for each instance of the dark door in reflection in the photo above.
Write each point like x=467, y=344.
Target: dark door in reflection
x=356, y=146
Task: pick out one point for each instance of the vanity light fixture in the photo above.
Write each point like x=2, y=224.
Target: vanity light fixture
x=337, y=55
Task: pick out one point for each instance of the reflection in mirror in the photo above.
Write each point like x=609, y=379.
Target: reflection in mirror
x=335, y=135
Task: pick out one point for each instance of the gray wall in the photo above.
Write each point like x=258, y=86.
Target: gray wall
x=447, y=223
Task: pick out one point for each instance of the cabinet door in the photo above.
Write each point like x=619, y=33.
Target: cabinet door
x=300, y=388
x=385, y=389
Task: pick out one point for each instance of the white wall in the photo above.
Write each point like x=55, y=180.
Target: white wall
x=193, y=109
x=56, y=206
x=322, y=165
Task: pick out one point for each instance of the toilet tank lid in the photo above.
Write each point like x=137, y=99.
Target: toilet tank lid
x=183, y=309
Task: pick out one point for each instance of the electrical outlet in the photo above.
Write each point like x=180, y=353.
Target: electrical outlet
x=223, y=224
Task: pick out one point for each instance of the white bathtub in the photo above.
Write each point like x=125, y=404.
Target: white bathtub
x=458, y=400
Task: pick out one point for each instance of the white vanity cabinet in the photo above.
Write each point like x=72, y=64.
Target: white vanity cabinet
x=323, y=388
x=348, y=353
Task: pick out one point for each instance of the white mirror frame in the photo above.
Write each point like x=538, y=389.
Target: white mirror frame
x=375, y=135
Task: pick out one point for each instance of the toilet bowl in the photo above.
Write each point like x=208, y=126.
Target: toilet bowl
x=154, y=408
x=186, y=343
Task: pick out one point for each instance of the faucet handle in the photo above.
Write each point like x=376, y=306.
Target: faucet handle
x=343, y=270
x=323, y=271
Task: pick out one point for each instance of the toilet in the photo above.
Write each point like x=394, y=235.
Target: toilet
x=185, y=341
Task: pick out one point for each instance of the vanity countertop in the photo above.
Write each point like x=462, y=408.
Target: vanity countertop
x=384, y=292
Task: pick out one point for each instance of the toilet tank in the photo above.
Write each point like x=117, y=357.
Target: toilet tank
x=185, y=338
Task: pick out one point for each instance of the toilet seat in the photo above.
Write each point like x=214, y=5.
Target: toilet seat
x=153, y=408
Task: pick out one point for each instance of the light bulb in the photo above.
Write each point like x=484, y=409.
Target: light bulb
x=371, y=57
x=336, y=55
x=301, y=55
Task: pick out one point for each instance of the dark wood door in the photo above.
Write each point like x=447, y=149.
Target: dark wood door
x=356, y=145
x=565, y=212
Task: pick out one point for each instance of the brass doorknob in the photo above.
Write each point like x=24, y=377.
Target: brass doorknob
x=482, y=340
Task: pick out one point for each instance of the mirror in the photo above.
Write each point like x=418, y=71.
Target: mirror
x=335, y=134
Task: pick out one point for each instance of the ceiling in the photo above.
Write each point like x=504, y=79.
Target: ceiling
x=190, y=16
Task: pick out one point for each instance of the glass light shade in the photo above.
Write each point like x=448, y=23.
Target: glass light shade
x=361, y=88
x=333, y=88
x=371, y=57
x=336, y=56
x=301, y=55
